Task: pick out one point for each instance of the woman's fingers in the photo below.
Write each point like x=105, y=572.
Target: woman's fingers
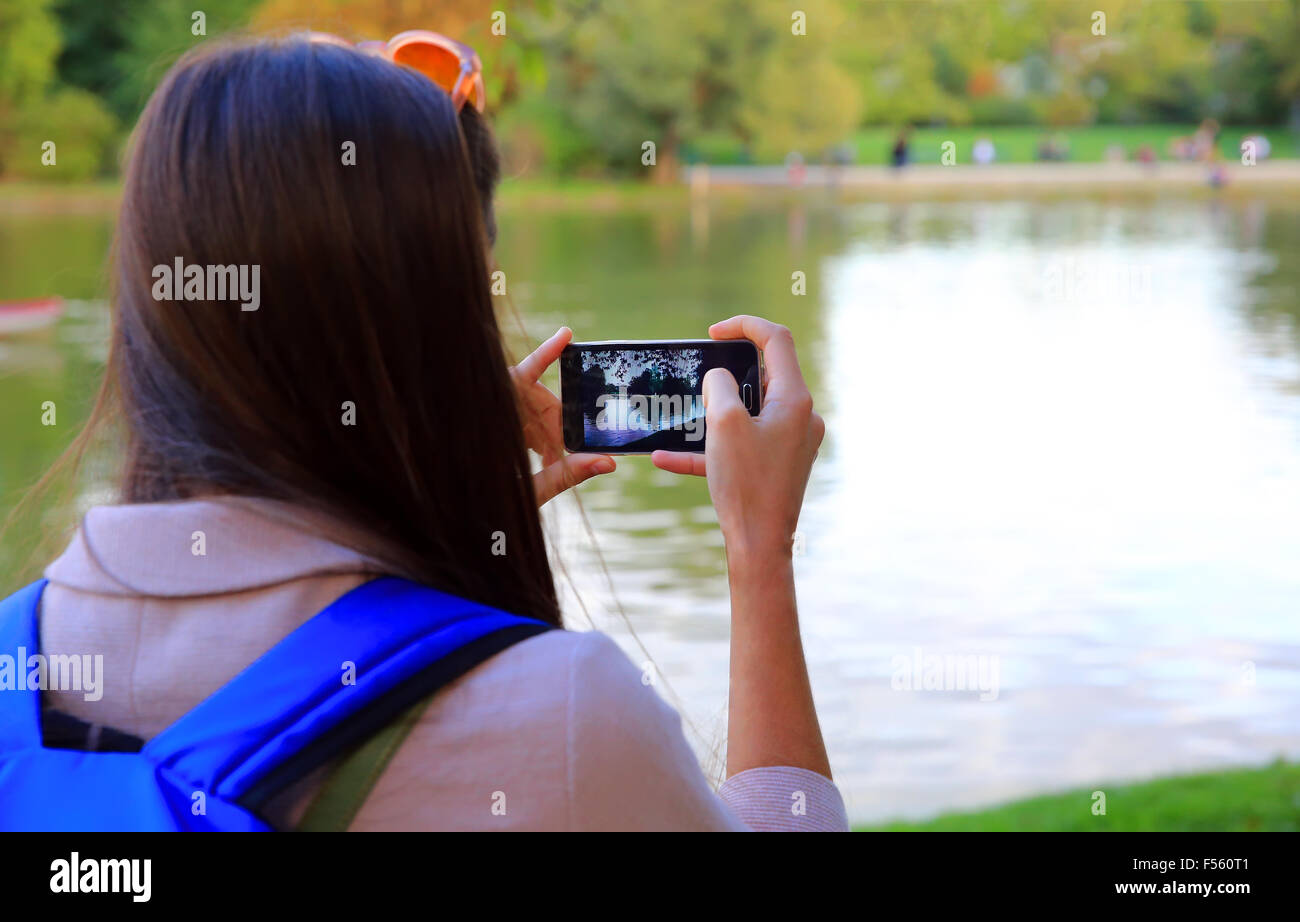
x=784, y=379
x=559, y=472
x=541, y=419
x=535, y=364
x=568, y=472
x=679, y=462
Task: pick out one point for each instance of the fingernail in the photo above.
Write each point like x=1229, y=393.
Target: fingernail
x=603, y=466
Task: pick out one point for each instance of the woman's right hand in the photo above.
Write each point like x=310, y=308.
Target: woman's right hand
x=758, y=469
x=757, y=466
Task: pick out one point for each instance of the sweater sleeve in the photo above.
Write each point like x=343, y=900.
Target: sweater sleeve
x=630, y=767
x=781, y=798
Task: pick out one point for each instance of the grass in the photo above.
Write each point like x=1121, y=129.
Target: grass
x=28, y=197
x=1014, y=143
x=1019, y=143
x=1247, y=800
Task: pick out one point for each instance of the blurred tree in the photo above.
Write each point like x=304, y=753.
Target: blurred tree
x=29, y=42
x=796, y=96
x=34, y=110
x=94, y=35
x=1158, y=68
x=508, y=57
x=85, y=134
x=633, y=71
x=1279, y=34
x=370, y=19
x=580, y=85
x=899, y=78
x=156, y=33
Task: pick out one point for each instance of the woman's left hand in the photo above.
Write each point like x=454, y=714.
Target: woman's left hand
x=540, y=411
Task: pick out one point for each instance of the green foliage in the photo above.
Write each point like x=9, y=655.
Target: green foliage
x=1251, y=800
x=631, y=71
x=84, y=132
x=29, y=40
x=535, y=135
x=32, y=111
x=931, y=62
x=94, y=34
x=799, y=97
x=157, y=32
x=577, y=86
x=1087, y=144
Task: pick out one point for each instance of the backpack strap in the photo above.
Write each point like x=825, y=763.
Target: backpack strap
x=340, y=798
x=20, y=706
x=376, y=652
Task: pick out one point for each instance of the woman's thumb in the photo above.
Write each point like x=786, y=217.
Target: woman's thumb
x=720, y=389
x=567, y=473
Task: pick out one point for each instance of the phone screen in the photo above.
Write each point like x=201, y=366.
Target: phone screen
x=636, y=397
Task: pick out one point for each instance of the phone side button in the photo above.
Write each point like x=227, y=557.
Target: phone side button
x=747, y=394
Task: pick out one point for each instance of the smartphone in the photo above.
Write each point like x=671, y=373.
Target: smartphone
x=631, y=398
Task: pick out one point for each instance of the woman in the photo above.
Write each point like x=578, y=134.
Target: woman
x=363, y=421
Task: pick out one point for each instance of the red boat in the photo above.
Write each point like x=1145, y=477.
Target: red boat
x=23, y=316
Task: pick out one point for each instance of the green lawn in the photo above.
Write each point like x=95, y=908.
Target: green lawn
x=1019, y=143
x=1249, y=800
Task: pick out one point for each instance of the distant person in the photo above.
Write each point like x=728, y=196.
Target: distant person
x=900, y=154
x=842, y=155
x=1146, y=154
x=839, y=158
x=1115, y=153
x=795, y=170
x=1054, y=148
x=984, y=152
x=1205, y=141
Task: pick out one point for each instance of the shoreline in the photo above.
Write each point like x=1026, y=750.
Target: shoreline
x=1035, y=179
x=703, y=183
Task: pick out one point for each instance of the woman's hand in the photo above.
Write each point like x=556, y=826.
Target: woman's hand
x=757, y=466
x=539, y=410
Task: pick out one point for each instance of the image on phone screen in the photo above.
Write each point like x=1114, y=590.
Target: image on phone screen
x=637, y=397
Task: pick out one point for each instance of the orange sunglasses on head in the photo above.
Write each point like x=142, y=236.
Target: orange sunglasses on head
x=451, y=65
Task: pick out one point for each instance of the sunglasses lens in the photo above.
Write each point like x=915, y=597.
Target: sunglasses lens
x=438, y=64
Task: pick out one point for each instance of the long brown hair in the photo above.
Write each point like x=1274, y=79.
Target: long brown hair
x=374, y=309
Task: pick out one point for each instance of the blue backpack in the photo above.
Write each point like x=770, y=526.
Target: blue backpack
x=287, y=714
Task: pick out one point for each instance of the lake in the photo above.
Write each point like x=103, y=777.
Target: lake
x=1051, y=540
